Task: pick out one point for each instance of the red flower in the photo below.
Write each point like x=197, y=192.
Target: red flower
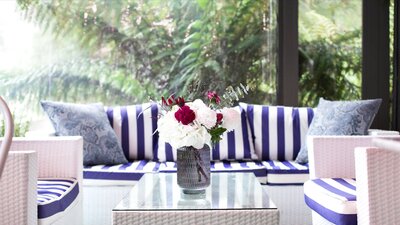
x=185, y=115
x=213, y=97
x=180, y=101
x=219, y=118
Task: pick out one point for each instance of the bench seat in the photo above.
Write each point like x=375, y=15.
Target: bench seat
x=333, y=198
x=54, y=196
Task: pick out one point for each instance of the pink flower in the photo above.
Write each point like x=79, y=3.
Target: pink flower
x=213, y=97
x=185, y=115
x=231, y=118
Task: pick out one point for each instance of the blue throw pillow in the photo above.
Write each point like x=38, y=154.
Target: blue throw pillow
x=340, y=118
x=100, y=144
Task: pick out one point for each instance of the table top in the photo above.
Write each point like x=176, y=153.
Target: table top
x=227, y=191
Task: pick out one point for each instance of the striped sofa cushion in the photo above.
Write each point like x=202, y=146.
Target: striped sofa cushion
x=131, y=171
x=333, y=198
x=286, y=172
x=226, y=166
x=55, y=195
x=135, y=126
x=278, y=131
x=235, y=145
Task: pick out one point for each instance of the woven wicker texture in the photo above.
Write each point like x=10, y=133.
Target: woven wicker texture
x=333, y=156
x=57, y=156
x=18, y=189
x=200, y=217
x=378, y=192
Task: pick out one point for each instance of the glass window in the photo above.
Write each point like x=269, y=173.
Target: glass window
x=125, y=51
x=329, y=50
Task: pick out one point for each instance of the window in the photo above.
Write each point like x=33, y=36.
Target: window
x=123, y=52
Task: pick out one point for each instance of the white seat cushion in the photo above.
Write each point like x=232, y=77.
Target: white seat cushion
x=332, y=198
x=118, y=174
x=286, y=172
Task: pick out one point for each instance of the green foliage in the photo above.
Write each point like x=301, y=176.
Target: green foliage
x=125, y=51
x=329, y=70
x=329, y=55
x=216, y=134
x=21, y=126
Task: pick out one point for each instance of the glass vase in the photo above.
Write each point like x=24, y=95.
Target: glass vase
x=193, y=169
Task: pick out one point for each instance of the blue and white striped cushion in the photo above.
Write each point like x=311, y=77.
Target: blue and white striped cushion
x=226, y=166
x=286, y=172
x=55, y=195
x=135, y=126
x=131, y=171
x=278, y=131
x=333, y=198
x=235, y=145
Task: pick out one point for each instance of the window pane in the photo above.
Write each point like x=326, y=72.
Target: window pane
x=329, y=50
x=125, y=51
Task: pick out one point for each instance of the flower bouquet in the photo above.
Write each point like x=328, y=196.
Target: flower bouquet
x=191, y=128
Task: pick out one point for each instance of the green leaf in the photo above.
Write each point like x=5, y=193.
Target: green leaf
x=202, y=3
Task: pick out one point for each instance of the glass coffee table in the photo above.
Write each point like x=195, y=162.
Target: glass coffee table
x=232, y=198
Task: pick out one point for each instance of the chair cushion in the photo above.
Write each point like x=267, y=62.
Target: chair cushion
x=341, y=118
x=278, y=131
x=55, y=195
x=333, y=198
x=134, y=126
x=132, y=171
x=286, y=172
x=226, y=166
x=235, y=145
x=100, y=144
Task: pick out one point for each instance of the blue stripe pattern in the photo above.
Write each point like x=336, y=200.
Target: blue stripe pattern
x=331, y=216
x=128, y=171
x=296, y=132
x=140, y=135
x=154, y=118
x=285, y=167
x=281, y=134
x=342, y=191
x=54, y=196
x=332, y=189
x=278, y=131
x=265, y=131
x=125, y=132
x=135, y=126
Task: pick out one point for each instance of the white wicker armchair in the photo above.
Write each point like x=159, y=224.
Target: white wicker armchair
x=33, y=159
x=352, y=182
x=8, y=133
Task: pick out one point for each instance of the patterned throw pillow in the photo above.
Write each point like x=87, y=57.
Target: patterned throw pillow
x=278, y=131
x=341, y=118
x=134, y=126
x=100, y=144
x=235, y=145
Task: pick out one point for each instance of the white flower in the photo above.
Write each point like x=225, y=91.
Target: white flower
x=206, y=117
x=197, y=137
x=197, y=104
x=231, y=118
